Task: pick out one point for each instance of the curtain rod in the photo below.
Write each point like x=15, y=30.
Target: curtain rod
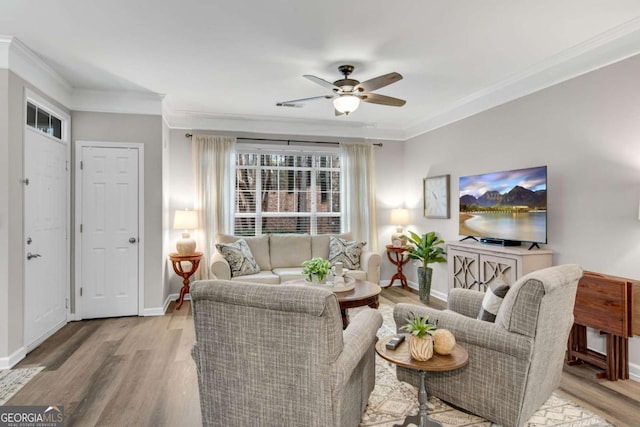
x=289, y=141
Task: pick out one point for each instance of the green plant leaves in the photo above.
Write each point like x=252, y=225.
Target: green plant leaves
x=419, y=326
x=426, y=248
x=317, y=266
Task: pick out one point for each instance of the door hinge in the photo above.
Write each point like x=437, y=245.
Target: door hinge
x=66, y=165
x=81, y=228
x=80, y=291
x=66, y=303
x=81, y=165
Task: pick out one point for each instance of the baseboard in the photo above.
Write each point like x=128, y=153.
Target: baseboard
x=436, y=294
x=634, y=372
x=11, y=360
x=160, y=311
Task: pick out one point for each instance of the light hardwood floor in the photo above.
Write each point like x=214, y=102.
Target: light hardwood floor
x=137, y=371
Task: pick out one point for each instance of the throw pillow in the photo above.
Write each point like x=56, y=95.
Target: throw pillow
x=348, y=253
x=239, y=257
x=493, y=299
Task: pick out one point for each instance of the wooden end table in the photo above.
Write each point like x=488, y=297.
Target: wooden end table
x=401, y=357
x=395, y=255
x=363, y=293
x=176, y=261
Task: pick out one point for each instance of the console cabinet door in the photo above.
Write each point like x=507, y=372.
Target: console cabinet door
x=464, y=270
x=492, y=267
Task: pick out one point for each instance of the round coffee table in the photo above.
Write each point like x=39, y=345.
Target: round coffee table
x=401, y=357
x=363, y=293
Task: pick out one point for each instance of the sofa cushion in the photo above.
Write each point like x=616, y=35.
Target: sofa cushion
x=346, y=252
x=493, y=299
x=259, y=246
x=289, y=250
x=289, y=273
x=239, y=257
x=264, y=277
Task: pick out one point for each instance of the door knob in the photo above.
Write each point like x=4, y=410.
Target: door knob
x=132, y=239
x=30, y=255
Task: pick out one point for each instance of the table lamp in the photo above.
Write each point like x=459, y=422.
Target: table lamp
x=185, y=220
x=399, y=217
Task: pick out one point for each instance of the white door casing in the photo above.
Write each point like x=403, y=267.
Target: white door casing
x=108, y=219
x=46, y=235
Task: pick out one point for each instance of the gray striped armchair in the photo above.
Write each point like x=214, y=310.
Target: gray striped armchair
x=515, y=363
x=278, y=356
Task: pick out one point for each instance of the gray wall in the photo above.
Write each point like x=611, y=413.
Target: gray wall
x=587, y=131
x=146, y=129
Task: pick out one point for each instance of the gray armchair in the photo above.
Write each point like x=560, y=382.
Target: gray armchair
x=278, y=356
x=515, y=363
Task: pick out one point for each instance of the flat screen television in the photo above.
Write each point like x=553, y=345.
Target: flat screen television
x=505, y=208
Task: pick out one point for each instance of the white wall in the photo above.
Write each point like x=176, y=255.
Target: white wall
x=587, y=131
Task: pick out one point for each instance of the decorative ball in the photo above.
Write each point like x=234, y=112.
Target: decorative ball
x=443, y=341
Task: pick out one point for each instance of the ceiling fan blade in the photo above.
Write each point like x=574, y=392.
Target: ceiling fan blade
x=293, y=102
x=321, y=82
x=374, y=98
x=378, y=82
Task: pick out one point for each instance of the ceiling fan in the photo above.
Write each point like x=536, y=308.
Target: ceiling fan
x=347, y=93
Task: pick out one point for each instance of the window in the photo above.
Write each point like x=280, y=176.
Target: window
x=287, y=193
x=44, y=121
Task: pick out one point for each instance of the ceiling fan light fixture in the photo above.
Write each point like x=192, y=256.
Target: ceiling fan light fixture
x=346, y=103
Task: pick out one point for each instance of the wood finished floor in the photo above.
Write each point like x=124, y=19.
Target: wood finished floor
x=137, y=371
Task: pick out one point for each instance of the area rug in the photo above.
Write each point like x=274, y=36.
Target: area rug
x=12, y=380
x=392, y=400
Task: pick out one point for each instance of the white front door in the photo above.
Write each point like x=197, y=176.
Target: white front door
x=46, y=257
x=109, y=233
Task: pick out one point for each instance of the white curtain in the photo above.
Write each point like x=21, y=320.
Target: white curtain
x=214, y=166
x=358, y=193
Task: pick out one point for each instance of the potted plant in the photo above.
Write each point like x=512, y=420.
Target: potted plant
x=427, y=250
x=316, y=269
x=421, y=339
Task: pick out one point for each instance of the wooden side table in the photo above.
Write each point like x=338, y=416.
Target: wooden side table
x=394, y=254
x=176, y=261
x=401, y=357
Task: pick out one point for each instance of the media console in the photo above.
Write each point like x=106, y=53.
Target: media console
x=473, y=265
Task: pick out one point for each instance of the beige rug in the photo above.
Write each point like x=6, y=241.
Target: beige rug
x=12, y=380
x=392, y=400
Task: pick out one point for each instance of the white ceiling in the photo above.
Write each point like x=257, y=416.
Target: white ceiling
x=226, y=63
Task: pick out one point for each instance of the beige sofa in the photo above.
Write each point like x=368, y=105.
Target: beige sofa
x=280, y=257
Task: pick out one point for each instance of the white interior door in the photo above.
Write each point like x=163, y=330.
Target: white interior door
x=109, y=234
x=46, y=257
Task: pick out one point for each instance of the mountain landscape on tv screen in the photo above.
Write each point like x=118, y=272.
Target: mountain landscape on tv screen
x=518, y=198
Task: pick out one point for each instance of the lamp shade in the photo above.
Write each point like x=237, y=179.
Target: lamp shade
x=185, y=220
x=346, y=103
x=399, y=216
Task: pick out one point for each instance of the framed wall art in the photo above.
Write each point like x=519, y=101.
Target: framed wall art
x=436, y=197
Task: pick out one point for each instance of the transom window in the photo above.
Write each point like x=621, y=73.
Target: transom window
x=41, y=119
x=287, y=193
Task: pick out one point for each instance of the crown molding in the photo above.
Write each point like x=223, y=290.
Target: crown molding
x=21, y=60
x=122, y=102
x=270, y=125
x=605, y=49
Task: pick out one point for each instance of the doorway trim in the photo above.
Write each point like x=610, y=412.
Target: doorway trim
x=78, y=214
